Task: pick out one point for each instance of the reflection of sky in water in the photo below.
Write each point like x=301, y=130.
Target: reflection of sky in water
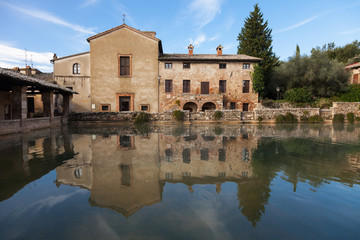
x=300, y=187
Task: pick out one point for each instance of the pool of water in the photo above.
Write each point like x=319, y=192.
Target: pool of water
x=181, y=182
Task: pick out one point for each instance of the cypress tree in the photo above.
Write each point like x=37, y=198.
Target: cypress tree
x=255, y=40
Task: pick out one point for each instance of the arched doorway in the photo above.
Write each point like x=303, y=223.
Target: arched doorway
x=208, y=106
x=191, y=106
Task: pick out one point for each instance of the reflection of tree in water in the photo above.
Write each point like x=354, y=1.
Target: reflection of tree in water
x=305, y=160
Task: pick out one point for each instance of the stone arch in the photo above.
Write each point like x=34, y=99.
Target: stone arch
x=208, y=106
x=191, y=106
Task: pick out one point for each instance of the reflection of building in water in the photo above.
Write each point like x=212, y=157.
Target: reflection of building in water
x=127, y=172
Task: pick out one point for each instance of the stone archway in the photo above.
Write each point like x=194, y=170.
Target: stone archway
x=208, y=106
x=191, y=106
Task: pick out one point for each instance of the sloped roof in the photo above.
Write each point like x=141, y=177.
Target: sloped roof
x=209, y=57
x=11, y=78
x=354, y=65
x=69, y=56
x=145, y=33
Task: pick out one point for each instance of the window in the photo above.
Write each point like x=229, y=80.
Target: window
x=222, y=86
x=168, y=85
x=186, y=86
x=186, y=154
x=105, y=107
x=76, y=68
x=222, y=155
x=232, y=105
x=245, y=155
x=186, y=65
x=169, y=176
x=125, y=65
x=168, y=65
x=356, y=79
x=222, y=65
x=125, y=141
x=125, y=175
x=145, y=107
x=204, y=87
x=168, y=155
x=204, y=154
x=245, y=107
x=246, y=86
x=246, y=65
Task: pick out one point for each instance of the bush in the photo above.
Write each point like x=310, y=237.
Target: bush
x=338, y=118
x=177, y=102
x=280, y=118
x=350, y=117
x=218, y=130
x=315, y=119
x=352, y=94
x=178, y=115
x=218, y=115
x=268, y=103
x=290, y=118
x=260, y=118
x=357, y=119
x=142, y=117
x=298, y=95
x=304, y=118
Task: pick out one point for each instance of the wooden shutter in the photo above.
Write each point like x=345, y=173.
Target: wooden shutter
x=124, y=66
x=246, y=86
x=186, y=86
x=222, y=86
x=168, y=85
x=356, y=79
x=204, y=87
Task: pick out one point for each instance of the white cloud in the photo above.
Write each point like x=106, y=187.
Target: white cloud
x=298, y=24
x=204, y=11
x=198, y=41
x=50, y=18
x=356, y=30
x=89, y=2
x=214, y=38
x=14, y=57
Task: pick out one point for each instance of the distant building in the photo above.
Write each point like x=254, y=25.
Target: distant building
x=126, y=70
x=355, y=72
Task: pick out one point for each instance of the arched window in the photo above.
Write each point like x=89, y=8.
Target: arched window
x=76, y=68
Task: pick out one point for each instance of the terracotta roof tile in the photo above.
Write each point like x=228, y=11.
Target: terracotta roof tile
x=208, y=57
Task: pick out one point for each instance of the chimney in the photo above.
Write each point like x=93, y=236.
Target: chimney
x=191, y=48
x=219, y=50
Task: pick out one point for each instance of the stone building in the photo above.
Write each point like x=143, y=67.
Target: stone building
x=355, y=72
x=126, y=70
x=199, y=82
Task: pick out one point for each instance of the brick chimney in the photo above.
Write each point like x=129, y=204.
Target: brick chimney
x=219, y=50
x=191, y=49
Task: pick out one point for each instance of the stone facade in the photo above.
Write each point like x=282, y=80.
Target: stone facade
x=214, y=70
x=354, y=69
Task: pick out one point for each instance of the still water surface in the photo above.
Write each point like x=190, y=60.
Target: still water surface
x=181, y=182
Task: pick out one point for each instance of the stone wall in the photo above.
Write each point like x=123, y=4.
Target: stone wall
x=271, y=113
x=346, y=107
x=14, y=126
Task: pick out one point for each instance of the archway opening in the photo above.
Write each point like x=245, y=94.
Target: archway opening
x=208, y=106
x=191, y=106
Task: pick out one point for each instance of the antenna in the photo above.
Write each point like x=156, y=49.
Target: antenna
x=124, y=15
x=31, y=62
x=25, y=57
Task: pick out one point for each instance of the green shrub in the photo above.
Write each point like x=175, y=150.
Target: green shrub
x=178, y=115
x=352, y=94
x=304, y=118
x=338, y=118
x=290, y=118
x=177, y=102
x=306, y=113
x=260, y=118
x=280, y=118
x=268, y=103
x=298, y=95
x=142, y=117
x=315, y=119
x=218, y=130
x=218, y=115
x=357, y=119
x=350, y=117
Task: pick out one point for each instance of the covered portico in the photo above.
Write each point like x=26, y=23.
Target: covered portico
x=15, y=89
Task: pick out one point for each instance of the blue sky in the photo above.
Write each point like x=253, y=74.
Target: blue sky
x=45, y=27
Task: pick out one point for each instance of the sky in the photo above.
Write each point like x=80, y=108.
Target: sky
x=44, y=27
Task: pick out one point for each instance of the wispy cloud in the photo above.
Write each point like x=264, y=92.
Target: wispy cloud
x=356, y=30
x=214, y=38
x=198, y=41
x=48, y=17
x=204, y=11
x=89, y=2
x=14, y=57
x=298, y=24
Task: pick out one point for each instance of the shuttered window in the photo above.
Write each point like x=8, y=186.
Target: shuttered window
x=204, y=87
x=356, y=79
x=125, y=66
x=168, y=86
x=246, y=86
x=186, y=86
x=222, y=86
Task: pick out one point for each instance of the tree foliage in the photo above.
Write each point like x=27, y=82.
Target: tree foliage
x=255, y=40
x=324, y=76
x=347, y=54
x=258, y=80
